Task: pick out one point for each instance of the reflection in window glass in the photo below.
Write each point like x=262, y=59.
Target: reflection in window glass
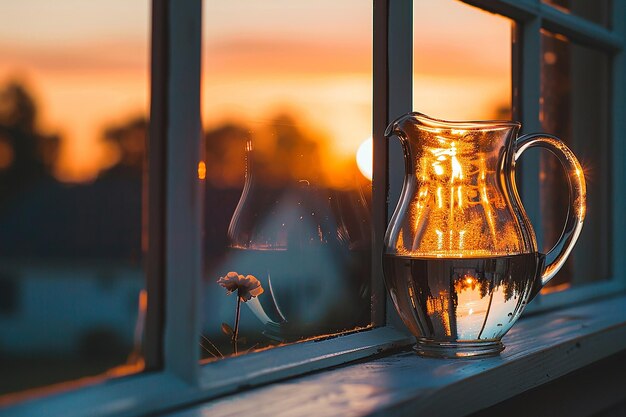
x=598, y=11
x=73, y=106
x=574, y=107
x=286, y=108
x=462, y=62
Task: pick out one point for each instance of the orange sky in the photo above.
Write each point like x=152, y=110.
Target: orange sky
x=87, y=64
x=462, y=61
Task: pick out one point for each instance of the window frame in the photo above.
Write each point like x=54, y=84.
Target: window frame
x=173, y=376
x=531, y=16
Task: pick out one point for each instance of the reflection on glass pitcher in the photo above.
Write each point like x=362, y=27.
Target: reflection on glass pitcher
x=460, y=255
x=309, y=246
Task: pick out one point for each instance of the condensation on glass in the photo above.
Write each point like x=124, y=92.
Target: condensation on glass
x=597, y=11
x=462, y=62
x=575, y=107
x=73, y=108
x=286, y=106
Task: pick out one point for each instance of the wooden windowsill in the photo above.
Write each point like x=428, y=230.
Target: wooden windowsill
x=539, y=349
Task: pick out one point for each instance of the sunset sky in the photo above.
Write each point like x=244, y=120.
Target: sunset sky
x=87, y=64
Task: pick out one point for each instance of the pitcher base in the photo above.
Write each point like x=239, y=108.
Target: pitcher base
x=474, y=349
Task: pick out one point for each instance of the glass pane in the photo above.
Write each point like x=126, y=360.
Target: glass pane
x=287, y=109
x=574, y=107
x=598, y=11
x=462, y=61
x=73, y=106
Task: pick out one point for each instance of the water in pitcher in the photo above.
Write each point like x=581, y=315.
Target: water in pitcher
x=458, y=299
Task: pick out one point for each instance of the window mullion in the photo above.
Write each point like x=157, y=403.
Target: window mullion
x=529, y=96
x=380, y=105
x=184, y=191
x=400, y=56
x=400, y=100
x=520, y=10
x=579, y=30
x=618, y=132
x=154, y=207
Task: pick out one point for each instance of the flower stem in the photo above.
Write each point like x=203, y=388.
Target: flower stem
x=236, y=330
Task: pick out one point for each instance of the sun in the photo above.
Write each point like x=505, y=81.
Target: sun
x=364, y=158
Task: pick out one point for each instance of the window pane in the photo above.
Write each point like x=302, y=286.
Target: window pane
x=574, y=107
x=462, y=62
x=598, y=11
x=73, y=106
x=287, y=109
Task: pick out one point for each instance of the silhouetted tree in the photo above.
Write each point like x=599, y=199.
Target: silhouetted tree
x=27, y=156
x=130, y=140
x=225, y=155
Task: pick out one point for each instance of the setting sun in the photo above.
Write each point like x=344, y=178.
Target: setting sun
x=364, y=158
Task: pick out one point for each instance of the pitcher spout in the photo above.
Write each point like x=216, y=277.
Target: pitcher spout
x=395, y=128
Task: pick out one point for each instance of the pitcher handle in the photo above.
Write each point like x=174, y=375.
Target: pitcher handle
x=556, y=257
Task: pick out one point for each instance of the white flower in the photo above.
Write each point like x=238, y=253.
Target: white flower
x=247, y=287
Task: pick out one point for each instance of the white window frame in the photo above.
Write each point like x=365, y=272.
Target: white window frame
x=531, y=16
x=173, y=377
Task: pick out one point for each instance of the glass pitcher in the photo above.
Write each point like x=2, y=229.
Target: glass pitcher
x=460, y=256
